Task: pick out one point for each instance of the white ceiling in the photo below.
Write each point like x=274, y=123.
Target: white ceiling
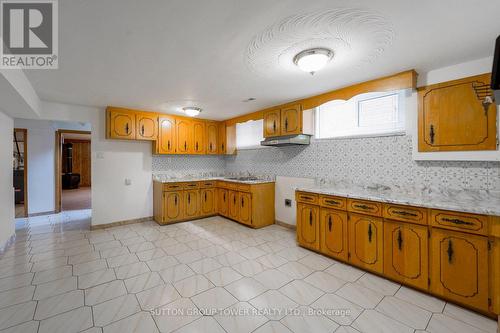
x=158, y=54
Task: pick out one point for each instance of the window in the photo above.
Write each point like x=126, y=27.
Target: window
x=363, y=115
x=249, y=134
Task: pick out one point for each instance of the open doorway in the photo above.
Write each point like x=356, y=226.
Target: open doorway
x=20, y=169
x=73, y=170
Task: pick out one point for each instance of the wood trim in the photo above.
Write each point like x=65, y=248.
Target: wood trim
x=25, y=147
x=119, y=223
x=246, y=117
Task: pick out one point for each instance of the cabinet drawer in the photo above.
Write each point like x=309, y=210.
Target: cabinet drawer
x=477, y=224
x=332, y=202
x=231, y=185
x=221, y=184
x=207, y=184
x=364, y=207
x=405, y=213
x=306, y=197
x=244, y=187
x=190, y=185
x=172, y=187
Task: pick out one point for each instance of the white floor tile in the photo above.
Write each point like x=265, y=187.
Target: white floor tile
x=143, y=282
x=404, y=312
x=274, y=301
x=343, y=312
x=360, y=295
x=273, y=279
x=301, y=292
x=139, y=322
x=246, y=288
x=371, y=321
x=115, y=309
x=223, y=276
x=58, y=304
x=420, y=299
x=324, y=281
x=309, y=322
x=176, y=273
x=157, y=296
x=193, y=285
x=246, y=320
x=174, y=315
x=69, y=322
x=104, y=292
x=213, y=300
x=17, y=314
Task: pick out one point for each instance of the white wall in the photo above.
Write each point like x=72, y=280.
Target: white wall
x=285, y=189
x=7, y=189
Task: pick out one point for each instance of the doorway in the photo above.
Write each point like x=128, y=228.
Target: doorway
x=73, y=170
x=20, y=170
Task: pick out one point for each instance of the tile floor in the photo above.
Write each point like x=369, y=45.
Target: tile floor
x=210, y=275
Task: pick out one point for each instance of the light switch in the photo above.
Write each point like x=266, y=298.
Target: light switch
x=128, y=181
x=99, y=155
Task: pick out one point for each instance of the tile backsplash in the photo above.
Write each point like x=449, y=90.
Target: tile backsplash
x=382, y=160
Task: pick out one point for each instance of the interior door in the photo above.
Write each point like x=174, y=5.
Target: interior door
x=222, y=138
x=166, y=136
x=308, y=225
x=191, y=203
x=406, y=253
x=366, y=242
x=207, y=201
x=291, y=120
x=333, y=233
x=173, y=206
x=245, y=208
x=234, y=205
x=272, y=120
x=147, y=126
x=223, y=205
x=199, y=137
x=212, y=138
x=122, y=125
x=184, y=140
x=459, y=267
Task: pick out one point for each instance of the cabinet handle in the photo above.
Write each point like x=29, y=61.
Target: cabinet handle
x=364, y=207
x=242, y=203
x=175, y=200
x=457, y=221
x=210, y=146
x=189, y=198
x=450, y=251
x=224, y=195
x=303, y=197
x=185, y=145
x=142, y=130
x=196, y=145
x=400, y=240
x=404, y=213
x=126, y=128
x=330, y=223
x=234, y=200
x=274, y=125
x=310, y=218
x=370, y=233
x=168, y=144
x=286, y=124
x=222, y=146
x=332, y=202
x=205, y=196
x=432, y=133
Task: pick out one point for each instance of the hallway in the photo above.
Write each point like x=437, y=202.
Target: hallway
x=76, y=199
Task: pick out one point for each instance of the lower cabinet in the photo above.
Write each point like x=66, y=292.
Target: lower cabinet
x=233, y=205
x=366, y=243
x=333, y=233
x=208, y=200
x=191, y=200
x=223, y=202
x=308, y=226
x=459, y=267
x=173, y=206
x=406, y=253
x=245, y=208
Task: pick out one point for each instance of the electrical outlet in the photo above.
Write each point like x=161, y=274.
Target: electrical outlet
x=288, y=202
x=128, y=181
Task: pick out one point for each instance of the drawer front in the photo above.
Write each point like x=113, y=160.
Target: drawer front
x=477, y=224
x=364, y=207
x=172, y=187
x=333, y=202
x=306, y=197
x=405, y=213
x=244, y=187
x=231, y=185
x=207, y=184
x=221, y=184
x=190, y=185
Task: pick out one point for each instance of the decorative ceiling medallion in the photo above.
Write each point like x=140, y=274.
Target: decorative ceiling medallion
x=356, y=36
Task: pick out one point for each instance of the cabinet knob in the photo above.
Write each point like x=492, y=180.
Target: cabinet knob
x=185, y=145
x=432, y=133
x=330, y=223
x=450, y=251
x=400, y=240
x=189, y=198
x=175, y=200
x=274, y=125
x=242, y=202
x=168, y=144
x=126, y=128
x=310, y=218
x=196, y=145
x=205, y=196
x=286, y=124
x=142, y=130
x=370, y=233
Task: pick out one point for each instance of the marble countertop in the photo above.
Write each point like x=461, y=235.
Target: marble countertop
x=479, y=202
x=201, y=179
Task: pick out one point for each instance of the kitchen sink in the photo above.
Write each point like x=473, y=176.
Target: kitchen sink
x=250, y=178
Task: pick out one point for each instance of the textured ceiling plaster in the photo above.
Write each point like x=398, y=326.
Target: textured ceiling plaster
x=356, y=36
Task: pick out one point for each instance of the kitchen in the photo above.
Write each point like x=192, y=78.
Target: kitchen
x=312, y=174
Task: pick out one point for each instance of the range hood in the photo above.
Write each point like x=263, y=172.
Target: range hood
x=289, y=140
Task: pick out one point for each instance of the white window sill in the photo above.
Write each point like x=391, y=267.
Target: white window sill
x=361, y=136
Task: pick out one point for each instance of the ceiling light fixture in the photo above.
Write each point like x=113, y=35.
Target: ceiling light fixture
x=191, y=111
x=312, y=60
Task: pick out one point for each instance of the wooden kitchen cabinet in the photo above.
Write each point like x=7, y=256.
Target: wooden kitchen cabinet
x=495, y=274
x=457, y=116
x=287, y=120
x=223, y=202
x=208, y=199
x=291, y=120
x=406, y=253
x=366, y=243
x=174, y=207
x=212, y=131
x=245, y=208
x=199, y=137
x=333, y=233
x=459, y=267
x=272, y=121
x=222, y=138
x=166, y=136
x=184, y=133
x=308, y=225
x=120, y=124
x=191, y=203
x=146, y=126
x=234, y=205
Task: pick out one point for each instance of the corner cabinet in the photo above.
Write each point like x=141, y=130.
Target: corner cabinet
x=458, y=115
x=287, y=120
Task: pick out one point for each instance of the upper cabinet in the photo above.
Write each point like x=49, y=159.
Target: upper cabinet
x=222, y=138
x=287, y=120
x=457, y=115
x=184, y=136
x=272, y=120
x=166, y=136
x=199, y=137
x=121, y=124
x=291, y=120
x=146, y=126
x=212, y=137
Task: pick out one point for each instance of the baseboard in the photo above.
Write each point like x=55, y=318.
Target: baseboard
x=120, y=223
x=285, y=225
x=7, y=244
x=42, y=213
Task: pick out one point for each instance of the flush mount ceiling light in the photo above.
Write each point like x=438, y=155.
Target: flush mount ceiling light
x=191, y=111
x=312, y=60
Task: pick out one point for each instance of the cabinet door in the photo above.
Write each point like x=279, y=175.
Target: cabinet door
x=222, y=138
x=212, y=138
x=121, y=124
x=245, y=213
x=291, y=120
x=147, y=126
x=495, y=275
x=223, y=204
x=234, y=205
x=207, y=201
x=406, y=256
x=308, y=226
x=184, y=129
x=173, y=206
x=333, y=233
x=459, y=267
x=455, y=116
x=191, y=200
x=272, y=120
x=199, y=137
x=166, y=136
x=366, y=242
